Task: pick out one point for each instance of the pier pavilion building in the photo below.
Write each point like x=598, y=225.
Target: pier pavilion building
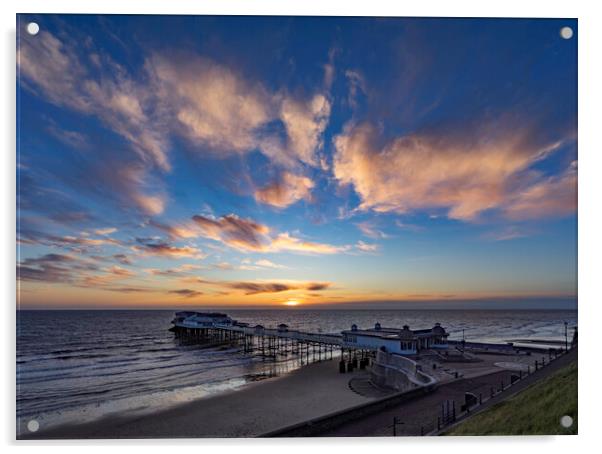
x=402, y=341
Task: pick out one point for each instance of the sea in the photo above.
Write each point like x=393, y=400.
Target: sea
x=78, y=366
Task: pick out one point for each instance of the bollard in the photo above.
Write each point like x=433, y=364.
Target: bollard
x=491, y=389
x=480, y=399
x=454, y=410
x=421, y=431
x=342, y=367
x=536, y=365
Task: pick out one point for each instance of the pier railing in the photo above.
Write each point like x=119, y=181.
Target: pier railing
x=398, y=372
x=451, y=416
x=332, y=339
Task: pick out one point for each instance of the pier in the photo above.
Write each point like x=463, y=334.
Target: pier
x=357, y=348
x=267, y=342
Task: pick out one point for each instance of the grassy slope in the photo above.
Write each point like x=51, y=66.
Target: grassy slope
x=534, y=411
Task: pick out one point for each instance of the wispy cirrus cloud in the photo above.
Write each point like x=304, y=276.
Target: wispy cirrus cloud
x=71, y=138
x=464, y=176
x=258, y=287
x=186, y=292
x=255, y=287
x=507, y=233
x=217, y=107
x=249, y=235
x=83, y=244
x=181, y=270
x=122, y=258
x=54, y=68
x=371, y=230
x=151, y=246
x=234, y=231
x=286, y=242
x=548, y=197
x=70, y=269
x=107, y=277
x=59, y=268
x=179, y=230
x=105, y=231
x=366, y=247
x=264, y=263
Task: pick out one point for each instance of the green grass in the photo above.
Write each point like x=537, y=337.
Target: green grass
x=534, y=411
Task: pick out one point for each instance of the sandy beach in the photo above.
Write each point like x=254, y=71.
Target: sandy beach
x=309, y=392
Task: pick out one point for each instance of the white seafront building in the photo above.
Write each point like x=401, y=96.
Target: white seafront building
x=402, y=341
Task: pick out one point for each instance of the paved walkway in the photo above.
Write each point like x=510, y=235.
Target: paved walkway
x=420, y=414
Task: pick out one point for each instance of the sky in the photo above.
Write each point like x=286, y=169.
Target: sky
x=206, y=161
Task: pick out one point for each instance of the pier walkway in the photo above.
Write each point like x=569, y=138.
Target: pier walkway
x=269, y=342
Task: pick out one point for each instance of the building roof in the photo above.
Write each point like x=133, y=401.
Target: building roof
x=371, y=333
x=404, y=333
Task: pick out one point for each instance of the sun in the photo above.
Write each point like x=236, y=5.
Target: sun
x=291, y=303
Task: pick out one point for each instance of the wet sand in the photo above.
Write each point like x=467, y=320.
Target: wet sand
x=264, y=406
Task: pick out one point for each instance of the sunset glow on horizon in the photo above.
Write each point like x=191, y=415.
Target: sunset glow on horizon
x=295, y=162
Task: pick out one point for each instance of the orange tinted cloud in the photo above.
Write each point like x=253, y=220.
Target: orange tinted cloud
x=304, y=123
x=413, y=172
x=286, y=242
x=217, y=107
x=248, y=235
x=185, y=230
x=554, y=196
x=289, y=189
x=150, y=204
x=234, y=231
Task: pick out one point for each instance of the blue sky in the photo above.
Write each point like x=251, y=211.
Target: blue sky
x=168, y=161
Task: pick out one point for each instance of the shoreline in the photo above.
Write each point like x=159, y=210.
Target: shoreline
x=267, y=405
